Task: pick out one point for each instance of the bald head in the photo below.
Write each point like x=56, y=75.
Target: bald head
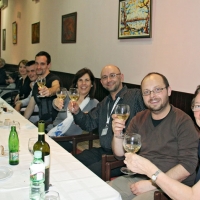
x=111, y=79
x=110, y=67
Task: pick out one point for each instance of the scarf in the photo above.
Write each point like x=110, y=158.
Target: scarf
x=62, y=128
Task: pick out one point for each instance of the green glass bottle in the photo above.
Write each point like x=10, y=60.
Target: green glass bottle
x=43, y=146
x=13, y=145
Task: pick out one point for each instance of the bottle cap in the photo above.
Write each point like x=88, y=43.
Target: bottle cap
x=37, y=154
x=41, y=126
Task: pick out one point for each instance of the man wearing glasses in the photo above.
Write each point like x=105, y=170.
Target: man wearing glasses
x=100, y=117
x=169, y=140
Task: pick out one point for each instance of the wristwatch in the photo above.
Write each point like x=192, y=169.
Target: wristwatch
x=154, y=176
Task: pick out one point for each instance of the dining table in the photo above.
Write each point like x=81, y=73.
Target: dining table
x=69, y=177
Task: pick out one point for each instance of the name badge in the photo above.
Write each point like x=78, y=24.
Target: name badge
x=104, y=131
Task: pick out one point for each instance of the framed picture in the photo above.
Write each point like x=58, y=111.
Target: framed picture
x=69, y=28
x=134, y=19
x=14, y=32
x=4, y=39
x=35, y=33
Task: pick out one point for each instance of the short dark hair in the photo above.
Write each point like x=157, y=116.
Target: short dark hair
x=44, y=53
x=162, y=76
x=23, y=62
x=29, y=63
x=79, y=74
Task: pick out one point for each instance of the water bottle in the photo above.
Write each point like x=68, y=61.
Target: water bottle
x=37, y=176
x=13, y=144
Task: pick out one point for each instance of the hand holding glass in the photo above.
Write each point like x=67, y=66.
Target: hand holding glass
x=73, y=94
x=61, y=94
x=131, y=144
x=41, y=81
x=122, y=111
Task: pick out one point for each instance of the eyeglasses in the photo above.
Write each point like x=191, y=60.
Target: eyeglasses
x=111, y=76
x=156, y=90
x=195, y=107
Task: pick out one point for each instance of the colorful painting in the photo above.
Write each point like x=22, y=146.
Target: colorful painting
x=69, y=28
x=4, y=40
x=36, y=33
x=14, y=32
x=134, y=19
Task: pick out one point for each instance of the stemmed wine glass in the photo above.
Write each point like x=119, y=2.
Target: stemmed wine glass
x=122, y=111
x=41, y=81
x=131, y=144
x=61, y=94
x=73, y=94
x=31, y=143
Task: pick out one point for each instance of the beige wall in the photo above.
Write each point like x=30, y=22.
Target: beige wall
x=173, y=50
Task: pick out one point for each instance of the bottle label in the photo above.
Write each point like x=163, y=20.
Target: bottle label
x=37, y=172
x=14, y=156
x=47, y=161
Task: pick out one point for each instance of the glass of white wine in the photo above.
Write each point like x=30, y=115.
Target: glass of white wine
x=131, y=144
x=73, y=94
x=41, y=81
x=61, y=94
x=122, y=111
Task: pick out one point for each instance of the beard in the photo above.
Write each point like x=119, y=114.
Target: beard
x=114, y=88
x=157, y=108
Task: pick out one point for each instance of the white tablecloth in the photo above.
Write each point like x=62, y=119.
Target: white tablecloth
x=68, y=176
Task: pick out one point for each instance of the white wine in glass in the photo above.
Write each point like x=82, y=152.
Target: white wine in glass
x=73, y=94
x=131, y=144
x=122, y=111
x=41, y=82
x=61, y=94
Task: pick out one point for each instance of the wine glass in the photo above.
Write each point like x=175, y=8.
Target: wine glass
x=131, y=144
x=50, y=195
x=41, y=81
x=73, y=94
x=122, y=111
x=61, y=94
x=31, y=143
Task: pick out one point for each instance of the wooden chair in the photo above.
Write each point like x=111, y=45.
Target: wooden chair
x=78, y=138
x=10, y=96
x=109, y=162
x=158, y=195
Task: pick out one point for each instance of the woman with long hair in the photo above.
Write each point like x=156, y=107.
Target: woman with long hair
x=64, y=125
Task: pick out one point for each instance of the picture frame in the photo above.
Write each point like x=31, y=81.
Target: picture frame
x=135, y=19
x=4, y=39
x=14, y=32
x=69, y=28
x=35, y=33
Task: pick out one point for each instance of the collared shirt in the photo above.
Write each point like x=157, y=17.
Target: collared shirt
x=97, y=117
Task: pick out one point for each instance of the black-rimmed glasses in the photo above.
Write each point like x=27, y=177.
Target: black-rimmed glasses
x=155, y=90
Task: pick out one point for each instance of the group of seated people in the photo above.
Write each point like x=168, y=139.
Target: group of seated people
x=14, y=81
x=169, y=137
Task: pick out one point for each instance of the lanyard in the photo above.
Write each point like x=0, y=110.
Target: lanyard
x=108, y=115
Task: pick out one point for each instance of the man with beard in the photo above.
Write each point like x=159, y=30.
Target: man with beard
x=100, y=117
x=169, y=140
x=48, y=92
